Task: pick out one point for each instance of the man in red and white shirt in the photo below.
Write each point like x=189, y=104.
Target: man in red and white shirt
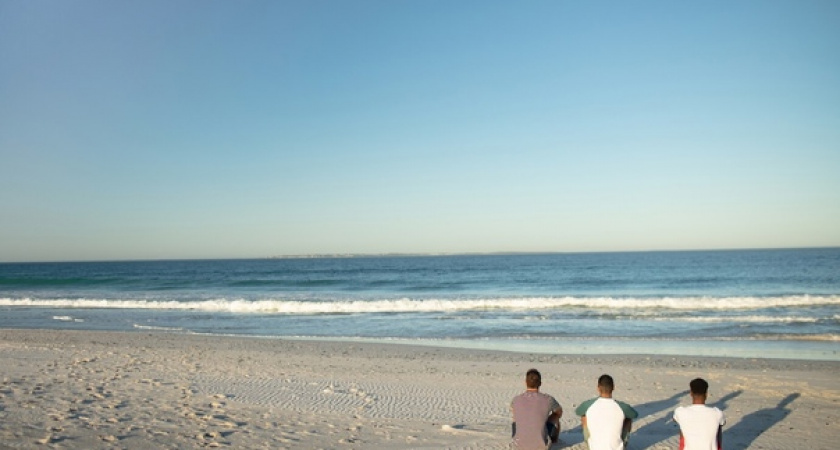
x=701, y=426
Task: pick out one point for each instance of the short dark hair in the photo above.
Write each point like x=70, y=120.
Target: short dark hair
x=606, y=382
x=533, y=379
x=699, y=386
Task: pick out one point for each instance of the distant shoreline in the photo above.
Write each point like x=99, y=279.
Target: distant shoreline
x=535, y=253
x=424, y=255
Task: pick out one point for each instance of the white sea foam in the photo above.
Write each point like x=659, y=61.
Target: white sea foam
x=67, y=319
x=154, y=328
x=742, y=319
x=406, y=305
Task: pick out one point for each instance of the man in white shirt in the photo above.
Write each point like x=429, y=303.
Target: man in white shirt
x=701, y=426
x=606, y=422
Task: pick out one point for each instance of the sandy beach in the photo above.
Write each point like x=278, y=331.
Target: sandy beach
x=69, y=389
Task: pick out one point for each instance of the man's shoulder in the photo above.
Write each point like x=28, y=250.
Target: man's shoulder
x=552, y=402
x=628, y=410
x=583, y=407
x=714, y=410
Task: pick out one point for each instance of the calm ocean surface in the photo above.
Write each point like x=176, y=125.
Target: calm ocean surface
x=748, y=303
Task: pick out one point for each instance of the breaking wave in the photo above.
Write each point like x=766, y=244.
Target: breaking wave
x=407, y=305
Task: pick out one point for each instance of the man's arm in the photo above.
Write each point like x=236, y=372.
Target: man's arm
x=626, y=427
x=629, y=414
x=676, y=416
x=556, y=414
x=554, y=419
x=512, y=420
x=629, y=411
x=555, y=410
x=581, y=411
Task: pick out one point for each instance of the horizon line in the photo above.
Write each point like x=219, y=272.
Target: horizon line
x=421, y=254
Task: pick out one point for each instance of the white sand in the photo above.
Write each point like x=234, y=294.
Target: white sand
x=140, y=390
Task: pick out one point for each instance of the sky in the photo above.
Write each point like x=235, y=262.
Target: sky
x=237, y=129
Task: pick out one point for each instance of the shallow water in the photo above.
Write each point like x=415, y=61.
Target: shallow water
x=776, y=303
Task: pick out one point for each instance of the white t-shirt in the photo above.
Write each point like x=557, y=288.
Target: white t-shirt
x=605, y=419
x=699, y=425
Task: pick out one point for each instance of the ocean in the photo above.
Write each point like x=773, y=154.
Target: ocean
x=740, y=303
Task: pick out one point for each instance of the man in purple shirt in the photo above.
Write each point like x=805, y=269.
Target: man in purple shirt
x=536, y=416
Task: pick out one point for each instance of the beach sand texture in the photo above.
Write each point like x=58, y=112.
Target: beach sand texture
x=69, y=389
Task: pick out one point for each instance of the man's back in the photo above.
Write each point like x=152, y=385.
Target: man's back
x=699, y=425
x=605, y=422
x=530, y=411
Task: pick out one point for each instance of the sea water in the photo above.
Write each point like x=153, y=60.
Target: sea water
x=743, y=303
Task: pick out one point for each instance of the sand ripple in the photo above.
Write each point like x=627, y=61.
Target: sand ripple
x=371, y=399
x=151, y=390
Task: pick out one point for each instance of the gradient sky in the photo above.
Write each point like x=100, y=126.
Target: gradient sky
x=215, y=129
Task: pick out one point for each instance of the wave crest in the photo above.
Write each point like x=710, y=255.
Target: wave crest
x=407, y=305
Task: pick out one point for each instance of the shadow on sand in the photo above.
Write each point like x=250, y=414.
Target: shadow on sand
x=738, y=436
x=658, y=430
x=665, y=428
x=751, y=426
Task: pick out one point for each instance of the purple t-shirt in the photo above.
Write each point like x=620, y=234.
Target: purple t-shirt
x=530, y=411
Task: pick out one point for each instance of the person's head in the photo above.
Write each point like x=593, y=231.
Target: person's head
x=605, y=384
x=533, y=379
x=699, y=388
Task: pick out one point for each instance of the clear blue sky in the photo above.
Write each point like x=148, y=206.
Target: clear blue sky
x=204, y=129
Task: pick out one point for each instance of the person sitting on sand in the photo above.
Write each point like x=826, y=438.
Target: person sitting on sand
x=536, y=416
x=606, y=422
x=701, y=426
